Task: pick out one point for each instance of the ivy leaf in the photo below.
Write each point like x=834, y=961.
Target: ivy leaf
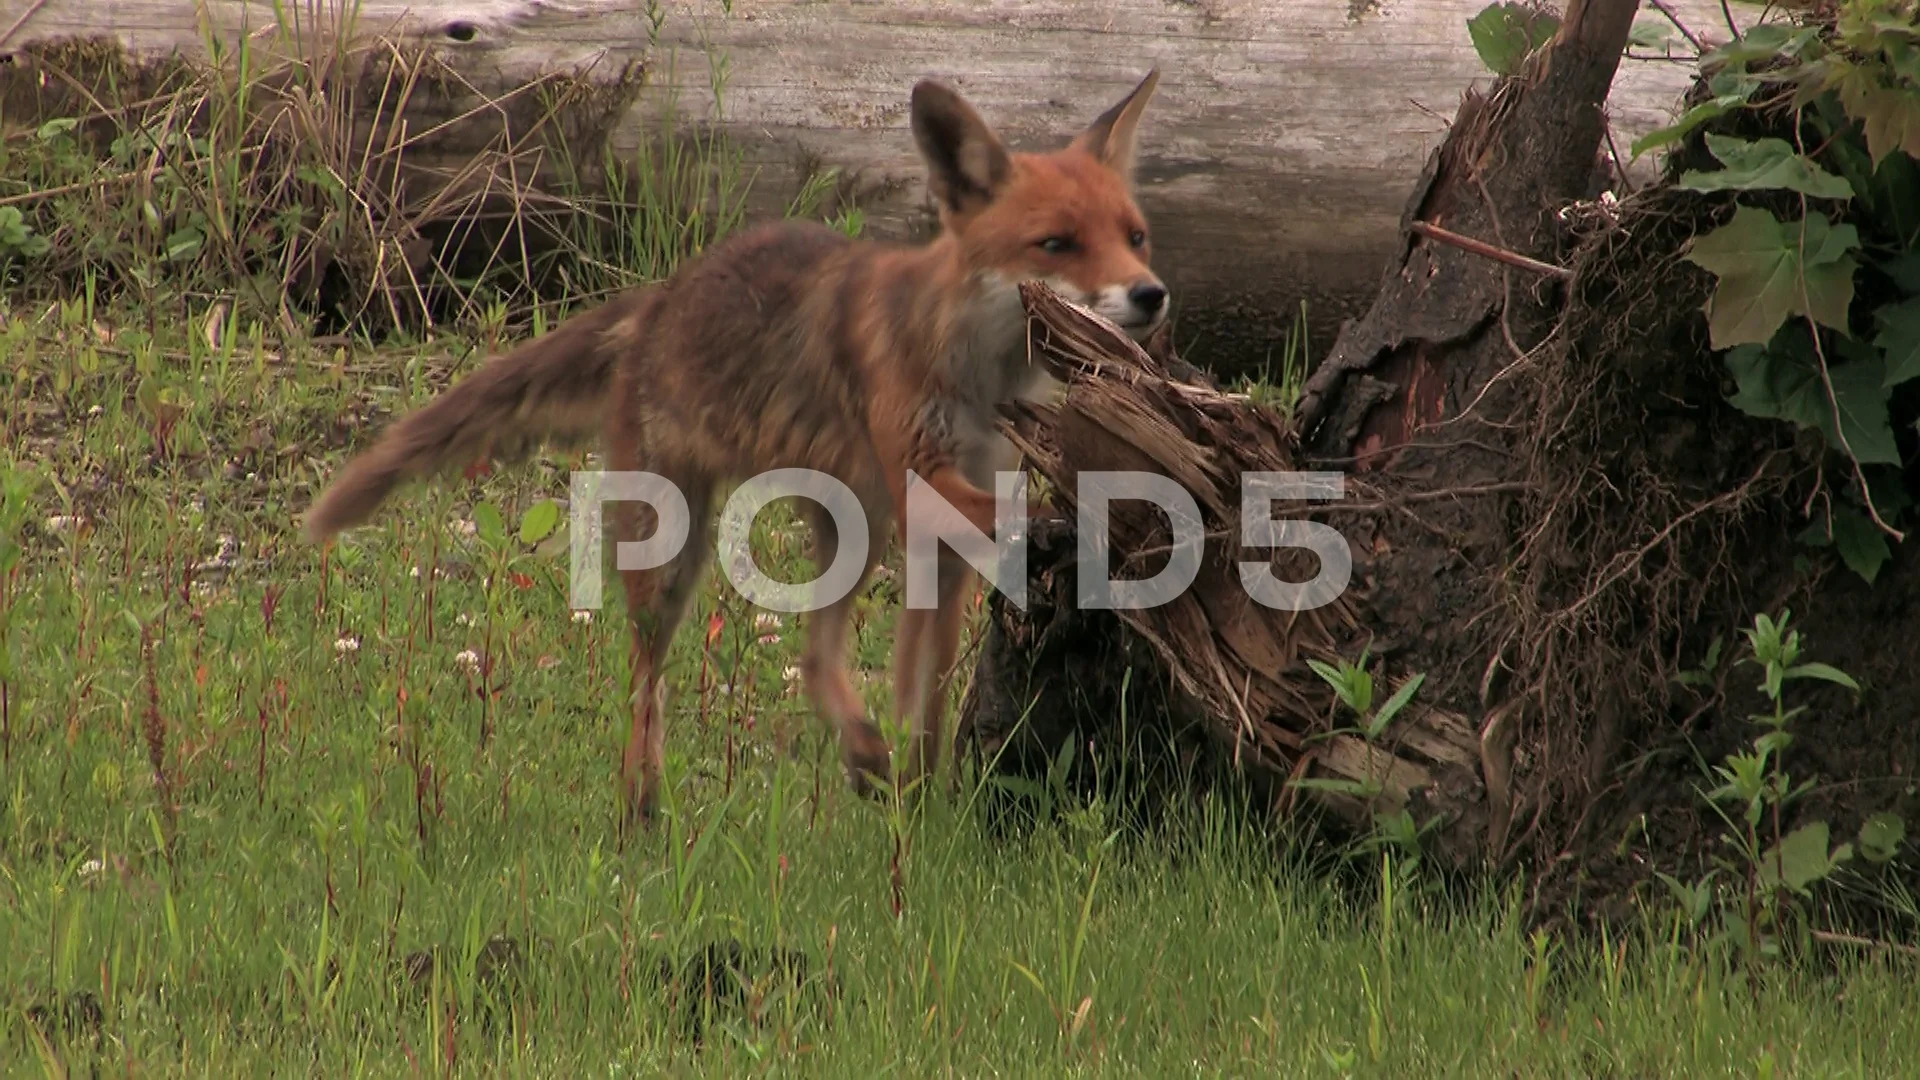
x=1891, y=115
x=1506, y=34
x=1899, y=339
x=1763, y=42
x=1782, y=381
x=1764, y=165
x=1858, y=542
x=1861, y=393
x=1711, y=109
x=1766, y=275
x=1886, y=192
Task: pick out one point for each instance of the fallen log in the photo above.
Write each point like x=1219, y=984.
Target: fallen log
x=1281, y=140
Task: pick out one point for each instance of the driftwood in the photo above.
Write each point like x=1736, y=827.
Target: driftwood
x=1275, y=156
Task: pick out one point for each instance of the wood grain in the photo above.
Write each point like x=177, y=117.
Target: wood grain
x=1277, y=153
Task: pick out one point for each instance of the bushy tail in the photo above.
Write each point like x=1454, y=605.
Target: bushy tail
x=554, y=389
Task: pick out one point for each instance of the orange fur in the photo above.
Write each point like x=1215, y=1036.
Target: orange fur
x=790, y=346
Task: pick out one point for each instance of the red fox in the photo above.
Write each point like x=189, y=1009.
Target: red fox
x=793, y=346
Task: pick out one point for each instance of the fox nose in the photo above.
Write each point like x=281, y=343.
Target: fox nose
x=1148, y=296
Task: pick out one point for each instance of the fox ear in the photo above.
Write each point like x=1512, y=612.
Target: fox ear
x=966, y=163
x=1111, y=138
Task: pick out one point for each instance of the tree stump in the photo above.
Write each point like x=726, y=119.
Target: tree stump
x=1414, y=407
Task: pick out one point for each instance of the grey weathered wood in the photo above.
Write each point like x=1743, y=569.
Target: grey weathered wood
x=1278, y=151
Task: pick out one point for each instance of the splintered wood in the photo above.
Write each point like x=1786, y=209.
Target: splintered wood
x=1244, y=663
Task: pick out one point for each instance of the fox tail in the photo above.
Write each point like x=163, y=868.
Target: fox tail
x=553, y=390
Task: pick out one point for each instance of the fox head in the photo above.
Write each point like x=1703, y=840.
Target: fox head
x=1066, y=218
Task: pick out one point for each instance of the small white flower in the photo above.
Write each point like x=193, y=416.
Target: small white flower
x=96, y=411
x=463, y=619
x=346, y=643
x=766, y=620
x=468, y=659
x=414, y=573
x=463, y=527
x=60, y=523
x=92, y=869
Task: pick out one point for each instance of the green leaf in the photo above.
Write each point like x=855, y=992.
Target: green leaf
x=1893, y=194
x=1826, y=672
x=487, y=522
x=1395, y=703
x=538, y=521
x=1764, y=165
x=1769, y=270
x=1881, y=836
x=1860, y=391
x=1506, y=34
x=1763, y=42
x=1802, y=858
x=1782, y=381
x=1711, y=109
x=1860, y=544
x=184, y=244
x=1899, y=339
x=1891, y=117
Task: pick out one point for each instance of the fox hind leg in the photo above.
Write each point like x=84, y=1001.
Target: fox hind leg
x=657, y=601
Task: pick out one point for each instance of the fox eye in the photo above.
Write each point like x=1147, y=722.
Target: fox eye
x=1057, y=245
x=1137, y=238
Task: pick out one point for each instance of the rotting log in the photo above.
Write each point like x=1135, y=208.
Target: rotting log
x=1277, y=151
x=1412, y=405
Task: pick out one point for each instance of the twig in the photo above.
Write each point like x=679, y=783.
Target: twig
x=69, y=189
x=1619, y=163
x=21, y=21
x=1732, y=26
x=1488, y=251
x=1661, y=7
x=1828, y=937
x=1826, y=380
x=1508, y=487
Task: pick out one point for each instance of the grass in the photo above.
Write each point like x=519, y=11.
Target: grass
x=337, y=798
x=268, y=809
